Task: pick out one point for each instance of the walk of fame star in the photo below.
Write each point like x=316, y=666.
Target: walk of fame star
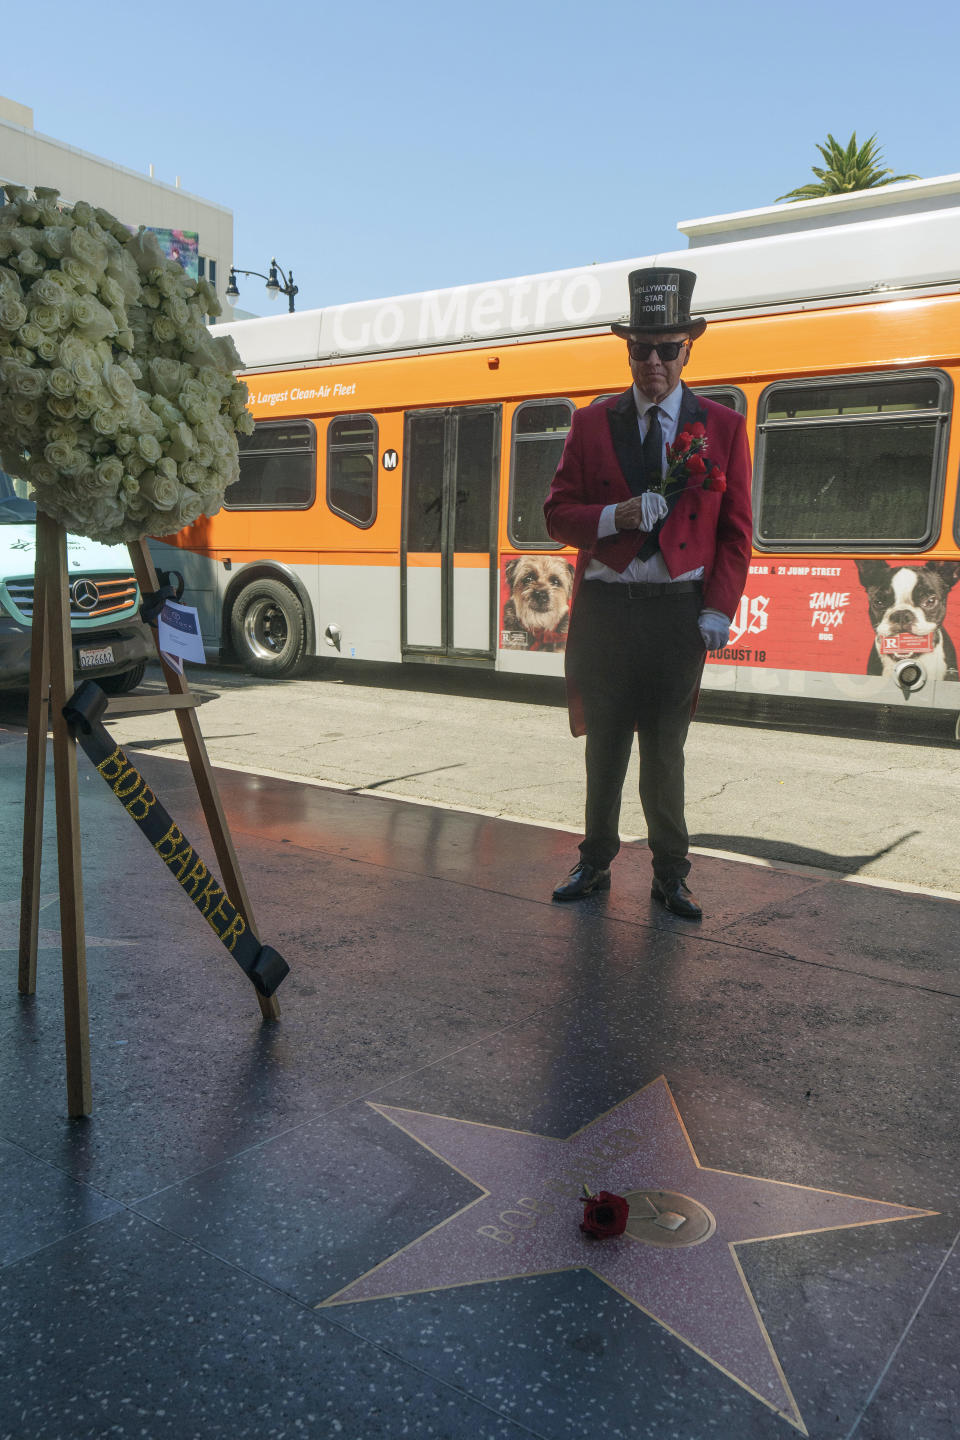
x=678, y=1260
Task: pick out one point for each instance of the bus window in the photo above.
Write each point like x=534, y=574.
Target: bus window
x=723, y=395
x=852, y=462
x=478, y=440
x=423, y=482
x=539, y=430
x=277, y=467
x=352, y=468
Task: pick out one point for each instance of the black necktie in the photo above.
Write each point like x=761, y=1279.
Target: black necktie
x=653, y=449
x=652, y=475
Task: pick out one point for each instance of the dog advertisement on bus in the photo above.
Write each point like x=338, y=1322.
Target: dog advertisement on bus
x=862, y=617
x=535, y=602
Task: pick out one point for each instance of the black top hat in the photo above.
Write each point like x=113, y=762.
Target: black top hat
x=660, y=302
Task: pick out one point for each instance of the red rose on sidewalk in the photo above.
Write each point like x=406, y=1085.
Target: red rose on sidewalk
x=604, y=1215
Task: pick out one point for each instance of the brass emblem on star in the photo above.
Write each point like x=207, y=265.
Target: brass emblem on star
x=665, y=1217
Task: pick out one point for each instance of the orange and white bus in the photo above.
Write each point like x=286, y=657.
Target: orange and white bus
x=389, y=504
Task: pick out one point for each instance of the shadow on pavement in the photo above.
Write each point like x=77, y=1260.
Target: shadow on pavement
x=763, y=849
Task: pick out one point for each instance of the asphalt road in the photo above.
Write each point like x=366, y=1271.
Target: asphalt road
x=879, y=803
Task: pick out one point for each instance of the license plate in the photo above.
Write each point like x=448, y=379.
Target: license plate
x=90, y=658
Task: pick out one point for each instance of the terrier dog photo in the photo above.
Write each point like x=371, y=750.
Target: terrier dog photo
x=908, y=604
x=538, y=606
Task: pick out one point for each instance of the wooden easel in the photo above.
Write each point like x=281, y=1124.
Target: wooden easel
x=51, y=685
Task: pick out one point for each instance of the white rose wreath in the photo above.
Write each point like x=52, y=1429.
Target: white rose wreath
x=116, y=403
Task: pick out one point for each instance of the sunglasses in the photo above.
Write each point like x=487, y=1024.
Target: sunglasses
x=667, y=349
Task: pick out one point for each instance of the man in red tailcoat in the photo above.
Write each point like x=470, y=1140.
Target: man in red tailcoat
x=654, y=490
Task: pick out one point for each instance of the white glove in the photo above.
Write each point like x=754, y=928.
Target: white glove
x=715, y=629
x=653, y=508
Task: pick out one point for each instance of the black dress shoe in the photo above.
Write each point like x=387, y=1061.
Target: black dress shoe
x=584, y=880
x=677, y=898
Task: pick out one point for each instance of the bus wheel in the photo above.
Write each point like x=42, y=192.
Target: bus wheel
x=268, y=629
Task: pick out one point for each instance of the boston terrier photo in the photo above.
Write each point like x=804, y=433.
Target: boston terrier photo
x=907, y=608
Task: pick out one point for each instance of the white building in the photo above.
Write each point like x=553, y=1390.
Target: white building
x=29, y=158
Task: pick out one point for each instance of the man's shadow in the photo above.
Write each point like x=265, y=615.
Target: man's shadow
x=790, y=854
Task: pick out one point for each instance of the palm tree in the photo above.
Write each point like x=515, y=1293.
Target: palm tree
x=849, y=168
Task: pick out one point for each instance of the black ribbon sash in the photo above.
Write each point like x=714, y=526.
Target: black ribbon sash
x=263, y=966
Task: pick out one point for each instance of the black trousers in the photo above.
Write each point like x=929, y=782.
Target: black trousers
x=636, y=656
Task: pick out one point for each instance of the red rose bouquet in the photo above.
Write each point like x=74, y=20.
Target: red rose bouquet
x=688, y=466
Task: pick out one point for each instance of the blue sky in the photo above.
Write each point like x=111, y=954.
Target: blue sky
x=381, y=148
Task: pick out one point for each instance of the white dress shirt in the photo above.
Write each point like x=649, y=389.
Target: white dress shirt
x=654, y=569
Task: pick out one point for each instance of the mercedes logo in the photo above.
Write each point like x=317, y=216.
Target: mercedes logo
x=84, y=594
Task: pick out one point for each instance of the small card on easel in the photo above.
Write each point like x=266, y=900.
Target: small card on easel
x=178, y=628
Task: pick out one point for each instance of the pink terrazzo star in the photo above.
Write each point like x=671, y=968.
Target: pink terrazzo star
x=527, y=1223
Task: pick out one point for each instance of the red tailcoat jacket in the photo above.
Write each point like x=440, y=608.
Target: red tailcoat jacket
x=602, y=464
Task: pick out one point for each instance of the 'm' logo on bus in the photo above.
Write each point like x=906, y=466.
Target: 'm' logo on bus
x=389, y=460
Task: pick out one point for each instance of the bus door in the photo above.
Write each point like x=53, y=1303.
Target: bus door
x=448, y=552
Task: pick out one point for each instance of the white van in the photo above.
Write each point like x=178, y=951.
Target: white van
x=111, y=644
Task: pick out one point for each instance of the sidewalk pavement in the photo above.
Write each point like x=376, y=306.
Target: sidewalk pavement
x=362, y=1220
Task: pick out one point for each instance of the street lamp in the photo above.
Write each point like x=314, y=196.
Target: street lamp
x=274, y=287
